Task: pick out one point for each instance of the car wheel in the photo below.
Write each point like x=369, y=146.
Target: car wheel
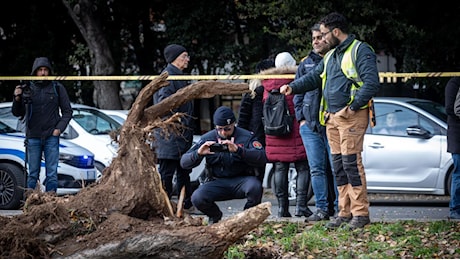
x=11, y=186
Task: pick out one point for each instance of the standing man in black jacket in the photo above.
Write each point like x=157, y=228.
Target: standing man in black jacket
x=38, y=103
x=170, y=148
x=453, y=144
x=314, y=134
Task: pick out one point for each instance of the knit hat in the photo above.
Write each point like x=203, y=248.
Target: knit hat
x=223, y=116
x=172, y=51
x=40, y=62
x=284, y=59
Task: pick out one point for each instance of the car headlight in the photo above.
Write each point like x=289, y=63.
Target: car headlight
x=79, y=161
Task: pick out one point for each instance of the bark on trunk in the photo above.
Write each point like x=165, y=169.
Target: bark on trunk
x=83, y=13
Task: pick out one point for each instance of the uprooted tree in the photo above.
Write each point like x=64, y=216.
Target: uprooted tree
x=127, y=214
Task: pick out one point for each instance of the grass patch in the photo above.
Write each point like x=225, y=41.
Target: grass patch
x=401, y=239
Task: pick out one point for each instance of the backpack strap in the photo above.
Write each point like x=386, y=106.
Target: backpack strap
x=56, y=88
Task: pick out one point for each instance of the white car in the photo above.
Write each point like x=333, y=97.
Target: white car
x=75, y=169
x=88, y=128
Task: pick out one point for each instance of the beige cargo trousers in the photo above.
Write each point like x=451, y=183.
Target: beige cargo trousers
x=345, y=132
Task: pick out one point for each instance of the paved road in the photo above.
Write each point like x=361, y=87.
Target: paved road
x=384, y=207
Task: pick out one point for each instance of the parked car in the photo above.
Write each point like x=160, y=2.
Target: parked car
x=88, y=128
x=119, y=115
x=75, y=169
x=409, y=156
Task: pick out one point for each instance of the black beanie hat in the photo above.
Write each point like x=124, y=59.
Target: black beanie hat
x=264, y=65
x=172, y=51
x=223, y=116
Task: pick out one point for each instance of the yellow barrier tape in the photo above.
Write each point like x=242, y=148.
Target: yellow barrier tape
x=146, y=77
x=389, y=76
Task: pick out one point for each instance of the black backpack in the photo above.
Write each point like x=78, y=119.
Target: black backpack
x=276, y=117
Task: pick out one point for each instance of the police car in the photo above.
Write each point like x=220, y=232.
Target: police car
x=75, y=169
x=88, y=128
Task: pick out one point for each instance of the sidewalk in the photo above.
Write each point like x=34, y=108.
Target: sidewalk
x=384, y=207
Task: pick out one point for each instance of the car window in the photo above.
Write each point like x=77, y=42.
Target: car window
x=94, y=122
x=8, y=118
x=433, y=108
x=4, y=128
x=393, y=119
x=119, y=119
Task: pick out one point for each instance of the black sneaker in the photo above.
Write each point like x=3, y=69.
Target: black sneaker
x=319, y=215
x=337, y=222
x=359, y=222
x=214, y=220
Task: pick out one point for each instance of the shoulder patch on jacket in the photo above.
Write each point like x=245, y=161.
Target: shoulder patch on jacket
x=257, y=145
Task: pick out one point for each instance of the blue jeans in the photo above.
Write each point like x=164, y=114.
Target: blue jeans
x=318, y=153
x=50, y=148
x=454, y=204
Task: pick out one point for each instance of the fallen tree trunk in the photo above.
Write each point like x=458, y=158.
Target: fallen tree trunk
x=177, y=240
x=127, y=214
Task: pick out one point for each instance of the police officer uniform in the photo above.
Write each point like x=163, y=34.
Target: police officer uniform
x=232, y=172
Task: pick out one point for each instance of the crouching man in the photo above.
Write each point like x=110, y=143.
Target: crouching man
x=231, y=155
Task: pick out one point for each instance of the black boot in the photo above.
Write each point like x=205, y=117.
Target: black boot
x=302, y=183
x=283, y=208
x=281, y=189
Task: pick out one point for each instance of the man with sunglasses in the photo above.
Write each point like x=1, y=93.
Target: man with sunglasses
x=231, y=155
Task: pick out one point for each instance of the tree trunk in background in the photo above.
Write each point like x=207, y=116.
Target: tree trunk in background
x=105, y=93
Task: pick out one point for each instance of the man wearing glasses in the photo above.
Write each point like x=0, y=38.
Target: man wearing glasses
x=231, y=155
x=348, y=78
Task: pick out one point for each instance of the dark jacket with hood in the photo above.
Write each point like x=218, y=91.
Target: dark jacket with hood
x=175, y=145
x=287, y=148
x=307, y=105
x=338, y=86
x=453, y=121
x=49, y=107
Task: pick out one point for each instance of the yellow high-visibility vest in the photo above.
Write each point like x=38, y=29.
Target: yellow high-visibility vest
x=349, y=69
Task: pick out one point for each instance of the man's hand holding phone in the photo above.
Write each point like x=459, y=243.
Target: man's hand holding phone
x=211, y=147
